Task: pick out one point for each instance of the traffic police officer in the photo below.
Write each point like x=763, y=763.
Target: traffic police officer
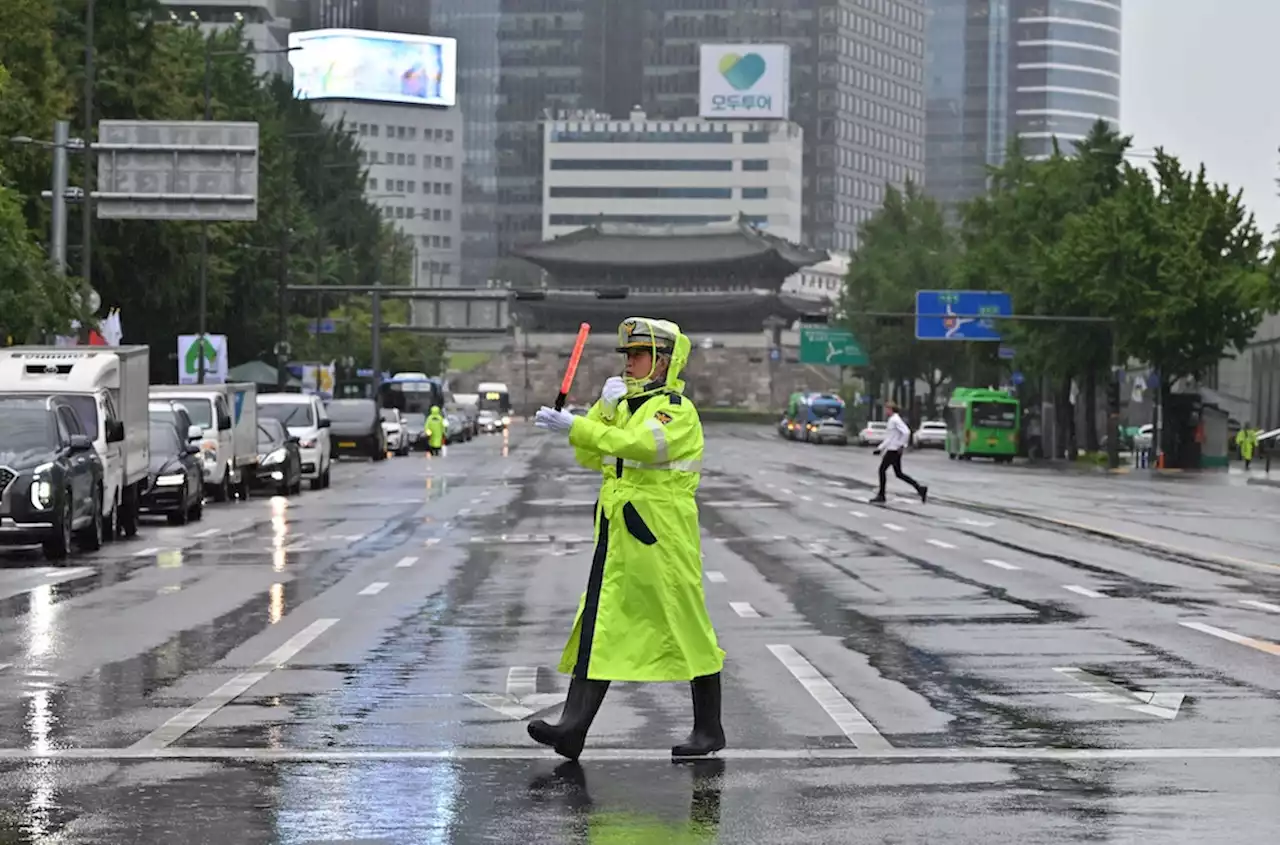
x=644, y=615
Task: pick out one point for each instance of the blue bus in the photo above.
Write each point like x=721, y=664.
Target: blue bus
x=413, y=395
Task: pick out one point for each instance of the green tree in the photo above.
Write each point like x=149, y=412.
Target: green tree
x=905, y=247
x=1179, y=262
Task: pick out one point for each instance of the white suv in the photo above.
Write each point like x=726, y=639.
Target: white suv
x=306, y=419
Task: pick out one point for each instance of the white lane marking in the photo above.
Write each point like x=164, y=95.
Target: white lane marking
x=1164, y=705
x=1262, y=605
x=463, y=511
x=146, y=553
x=770, y=485
x=893, y=527
x=177, y=727
x=940, y=544
x=406, y=562
x=715, y=577
x=858, y=514
x=976, y=522
x=74, y=572
x=297, y=547
x=208, y=532
x=531, y=752
x=1000, y=564
x=806, y=498
x=829, y=504
x=354, y=538
x=787, y=492
x=1229, y=636
x=431, y=541
x=744, y=609
x=374, y=588
x=476, y=500
x=851, y=722
x=1083, y=591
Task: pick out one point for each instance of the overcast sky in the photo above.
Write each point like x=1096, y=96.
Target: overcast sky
x=1198, y=78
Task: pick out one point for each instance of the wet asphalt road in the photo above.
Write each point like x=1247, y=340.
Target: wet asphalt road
x=1009, y=662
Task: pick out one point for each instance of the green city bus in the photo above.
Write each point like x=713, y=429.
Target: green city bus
x=982, y=422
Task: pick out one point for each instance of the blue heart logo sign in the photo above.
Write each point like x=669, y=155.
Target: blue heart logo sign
x=742, y=71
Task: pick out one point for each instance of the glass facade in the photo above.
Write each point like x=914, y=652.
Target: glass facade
x=999, y=69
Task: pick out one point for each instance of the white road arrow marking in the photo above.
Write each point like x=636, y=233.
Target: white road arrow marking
x=521, y=700
x=1164, y=705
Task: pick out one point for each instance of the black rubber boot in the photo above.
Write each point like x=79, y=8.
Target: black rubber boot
x=569, y=735
x=708, y=734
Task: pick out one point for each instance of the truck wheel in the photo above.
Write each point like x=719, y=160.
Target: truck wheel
x=111, y=522
x=90, y=537
x=129, y=513
x=58, y=546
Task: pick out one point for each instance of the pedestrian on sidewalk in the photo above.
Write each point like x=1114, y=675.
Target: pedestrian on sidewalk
x=1246, y=442
x=896, y=437
x=643, y=616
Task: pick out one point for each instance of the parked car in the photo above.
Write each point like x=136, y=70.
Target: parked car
x=932, y=434
x=279, y=458
x=356, y=428
x=175, y=487
x=51, y=477
x=398, y=438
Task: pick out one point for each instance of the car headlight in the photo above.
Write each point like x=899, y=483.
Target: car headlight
x=41, y=488
x=308, y=442
x=172, y=479
x=276, y=457
x=506, y=420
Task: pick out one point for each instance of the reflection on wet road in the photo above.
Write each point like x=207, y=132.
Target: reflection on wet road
x=359, y=664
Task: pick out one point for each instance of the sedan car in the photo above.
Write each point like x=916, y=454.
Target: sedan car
x=932, y=434
x=51, y=477
x=490, y=422
x=279, y=459
x=397, y=434
x=872, y=433
x=175, y=483
x=356, y=429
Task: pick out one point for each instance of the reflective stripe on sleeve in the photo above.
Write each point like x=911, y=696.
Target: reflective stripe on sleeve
x=659, y=439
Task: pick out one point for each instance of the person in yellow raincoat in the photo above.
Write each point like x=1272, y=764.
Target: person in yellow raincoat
x=1246, y=442
x=434, y=427
x=643, y=616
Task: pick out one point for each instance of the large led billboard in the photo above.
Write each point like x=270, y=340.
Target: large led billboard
x=391, y=67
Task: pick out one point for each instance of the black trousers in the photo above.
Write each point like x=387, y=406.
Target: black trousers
x=894, y=459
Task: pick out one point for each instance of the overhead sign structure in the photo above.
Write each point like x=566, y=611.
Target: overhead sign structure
x=973, y=310
x=744, y=81
x=177, y=170
x=388, y=67
x=835, y=347
x=214, y=349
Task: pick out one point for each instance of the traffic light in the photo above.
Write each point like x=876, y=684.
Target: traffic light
x=1113, y=395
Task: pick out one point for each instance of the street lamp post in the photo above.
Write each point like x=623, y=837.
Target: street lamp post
x=86, y=219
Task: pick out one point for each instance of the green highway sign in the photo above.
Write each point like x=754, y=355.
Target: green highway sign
x=837, y=347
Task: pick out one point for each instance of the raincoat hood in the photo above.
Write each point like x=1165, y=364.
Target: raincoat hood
x=660, y=337
x=435, y=410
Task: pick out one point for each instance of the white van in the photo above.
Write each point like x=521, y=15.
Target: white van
x=304, y=415
x=107, y=387
x=228, y=415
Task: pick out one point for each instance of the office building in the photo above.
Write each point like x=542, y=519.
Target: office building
x=266, y=25
x=410, y=16
x=651, y=172
x=856, y=89
x=413, y=155
x=1000, y=69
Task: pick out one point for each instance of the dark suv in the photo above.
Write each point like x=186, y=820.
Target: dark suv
x=356, y=428
x=50, y=477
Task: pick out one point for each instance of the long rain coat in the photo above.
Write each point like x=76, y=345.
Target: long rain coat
x=1247, y=441
x=644, y=615
x=434, y=427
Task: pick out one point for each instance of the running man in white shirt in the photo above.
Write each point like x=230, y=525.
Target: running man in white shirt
x=896, y=438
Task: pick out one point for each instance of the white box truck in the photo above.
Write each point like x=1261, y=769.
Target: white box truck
x=107, y=386
x=228, y=414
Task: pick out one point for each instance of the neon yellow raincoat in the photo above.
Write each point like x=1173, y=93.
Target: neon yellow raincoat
x=644, y=616
x=434, y=427
x=1246, y=442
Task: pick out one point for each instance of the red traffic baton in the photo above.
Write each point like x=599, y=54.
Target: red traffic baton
x=572, y=369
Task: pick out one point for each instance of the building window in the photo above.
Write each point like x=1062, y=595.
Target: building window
x=446, y=268
x=447, y=241
x=448, y=189
x=435, y=214
x=448, y=162
x=755, y=164
x=642, y=193
x=755, y=137
x=448, y=214
x=413, y=159
x=755, y=193
x=373, y=129
x=373, y=184
x=448, y=135
x=642, y=164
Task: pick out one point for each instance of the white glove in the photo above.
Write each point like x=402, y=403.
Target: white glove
x=553, y=420
x=613, y=391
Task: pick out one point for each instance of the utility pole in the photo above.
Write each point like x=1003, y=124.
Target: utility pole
x=204, y=227
x=282, y=327
x=86, y=219
x=58, y=236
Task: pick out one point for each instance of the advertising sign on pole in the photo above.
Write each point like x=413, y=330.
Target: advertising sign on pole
x=214, y=349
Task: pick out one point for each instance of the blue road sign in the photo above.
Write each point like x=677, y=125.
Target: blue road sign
x=970, y=308
x=775, y=354
x=1016, y=378
x=1006, y=353
x=328, y=325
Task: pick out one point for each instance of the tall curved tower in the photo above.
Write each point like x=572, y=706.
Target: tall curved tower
x=1064, y=70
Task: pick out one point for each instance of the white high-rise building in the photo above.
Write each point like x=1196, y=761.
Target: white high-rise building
x=414, y=158
x=266, y=26
x=662, y=172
